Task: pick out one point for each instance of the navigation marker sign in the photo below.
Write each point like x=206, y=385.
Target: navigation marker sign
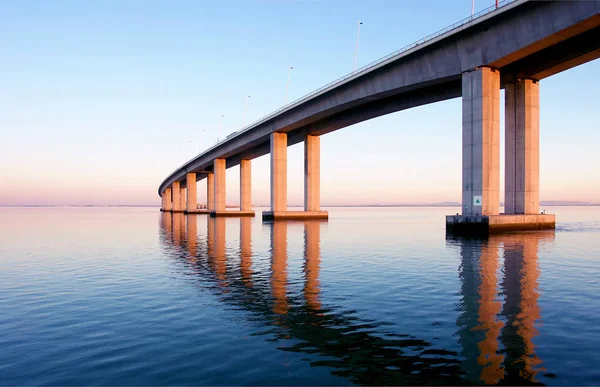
x=477, y=201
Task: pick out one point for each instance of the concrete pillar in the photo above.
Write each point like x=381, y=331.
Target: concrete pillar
x=176, y=192
x=192, y=197
x=522, y=147
x=168, y=204
x=210, y=192
x=182, y=200
x=245, y=185
x=278, y=172
x=312, y=173
x=481, y=142
x=219, y=170
x=163, y=201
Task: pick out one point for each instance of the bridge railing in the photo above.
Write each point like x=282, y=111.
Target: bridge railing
x=365, y=68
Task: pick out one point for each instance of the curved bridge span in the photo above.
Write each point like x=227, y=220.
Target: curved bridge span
x=513, y=47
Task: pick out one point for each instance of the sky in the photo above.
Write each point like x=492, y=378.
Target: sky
x=101, y=100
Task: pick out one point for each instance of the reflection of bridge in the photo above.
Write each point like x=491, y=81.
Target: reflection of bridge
x=514, y=47
x=492, y=350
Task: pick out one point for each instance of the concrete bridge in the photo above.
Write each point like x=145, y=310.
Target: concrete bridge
x=514, y=46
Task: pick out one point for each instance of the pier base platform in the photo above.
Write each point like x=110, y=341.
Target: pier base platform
x=214, y=214
x=176, y=211
x=491, y=224
x=294, y=215
x=200, y=211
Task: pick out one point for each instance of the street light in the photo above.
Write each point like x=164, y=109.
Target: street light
x=356, y=51
x=287, y=85
x=220, y=128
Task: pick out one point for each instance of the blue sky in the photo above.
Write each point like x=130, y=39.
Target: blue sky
x=102, y=99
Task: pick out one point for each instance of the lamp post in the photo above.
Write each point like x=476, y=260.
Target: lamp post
x=220, y=128
x=287, y=85
x=356, y=51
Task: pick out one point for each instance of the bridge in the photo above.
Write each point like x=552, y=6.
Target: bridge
x=513, y=46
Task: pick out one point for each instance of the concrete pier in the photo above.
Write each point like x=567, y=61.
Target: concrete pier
x=182, y=199
x=192, y=195
x=312, y=178
x=219, y=208
x=522, y=147
x=163, y=200
x=279, y=181
x=481, y=157
x=210, y=192
x=168, y=204
x=481, y=142
x=245, y=185
x=176, y=192
x=278, y=172
x=220, y=180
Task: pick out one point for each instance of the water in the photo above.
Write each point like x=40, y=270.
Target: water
x=122, y=296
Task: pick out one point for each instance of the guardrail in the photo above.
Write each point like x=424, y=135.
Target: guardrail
x=361, y=70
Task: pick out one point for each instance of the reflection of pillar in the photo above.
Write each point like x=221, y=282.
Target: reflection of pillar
x=192, y=234
x=178, y=228
x=489, y=308
x=521, y=307
x=210, y=238
x=530, y=310
x=278, y=172
x=246, y=249
x=210, y=192
x=165, y=222
x=481, y=142
x=217, y=247
x=279, y=266
x=467, y=321
x=192, y=197
x=168, y=203
x=312, y=257
x=219, y=185
x=245, y=185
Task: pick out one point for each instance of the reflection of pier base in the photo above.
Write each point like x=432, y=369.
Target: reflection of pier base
x=199, y=211
x=490, y=224
x=215, y=214
x=294, y=215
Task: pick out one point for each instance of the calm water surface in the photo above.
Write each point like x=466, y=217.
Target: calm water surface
x=124, y=296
